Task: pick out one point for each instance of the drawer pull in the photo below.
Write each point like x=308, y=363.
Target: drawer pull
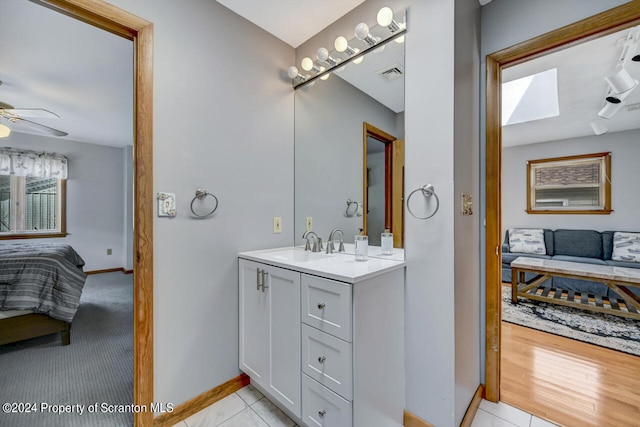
x=321, y=413
x=320, y=306
x=321, y=359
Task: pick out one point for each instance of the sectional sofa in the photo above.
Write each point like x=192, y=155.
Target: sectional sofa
x=613, y=248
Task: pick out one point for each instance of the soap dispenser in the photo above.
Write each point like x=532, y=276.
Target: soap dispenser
x=386, y=239
x=362, y=246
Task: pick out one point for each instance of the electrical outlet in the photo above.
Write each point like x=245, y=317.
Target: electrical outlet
x=109, y=251
x=309, y=224
x=277, y=224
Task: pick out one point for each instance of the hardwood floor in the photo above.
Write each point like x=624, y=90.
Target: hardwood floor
x=568, y=382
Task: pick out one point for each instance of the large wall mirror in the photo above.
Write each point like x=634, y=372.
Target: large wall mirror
x=349, y=151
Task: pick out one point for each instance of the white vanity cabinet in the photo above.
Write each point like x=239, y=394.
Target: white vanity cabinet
x=346, y=348
x=270, y=331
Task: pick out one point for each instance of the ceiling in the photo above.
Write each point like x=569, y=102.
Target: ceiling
x=51, y=61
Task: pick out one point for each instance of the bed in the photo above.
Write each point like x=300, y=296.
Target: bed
x=40, y=289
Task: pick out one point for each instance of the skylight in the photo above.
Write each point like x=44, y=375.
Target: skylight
x=530, y=98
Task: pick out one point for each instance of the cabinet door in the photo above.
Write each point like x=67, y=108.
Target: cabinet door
x=253, y=318
x=284, y=336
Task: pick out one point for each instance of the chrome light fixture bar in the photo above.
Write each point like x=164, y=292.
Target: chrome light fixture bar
x=347, y=51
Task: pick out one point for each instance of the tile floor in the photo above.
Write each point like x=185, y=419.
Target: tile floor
x=249, y=408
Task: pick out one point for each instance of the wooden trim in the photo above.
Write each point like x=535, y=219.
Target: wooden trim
x=616, y=19
x=467, y=420
x=198, y=403
x=18, y=236
x=397, y=215
x=412, y=420
x=110, y=18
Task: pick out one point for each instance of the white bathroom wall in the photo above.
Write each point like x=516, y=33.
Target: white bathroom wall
x=96, y=216
x=505, y=23
x=223, y=121
x=625, y=151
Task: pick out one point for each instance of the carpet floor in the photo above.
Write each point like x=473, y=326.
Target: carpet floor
x=96, y=368
x=605, y=330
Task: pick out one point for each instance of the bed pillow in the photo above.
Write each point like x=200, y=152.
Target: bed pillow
x=527, y=241
x=626, y=247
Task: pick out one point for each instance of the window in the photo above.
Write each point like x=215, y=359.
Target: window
x=570, y=185
x=32, y=194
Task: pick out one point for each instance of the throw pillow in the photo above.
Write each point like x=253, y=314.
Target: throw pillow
x=527, y=241
x=626, y=246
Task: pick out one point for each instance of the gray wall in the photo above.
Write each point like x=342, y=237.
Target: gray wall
x=223, y=121
x=505, y=23
x=96, y=214
x=625, y=151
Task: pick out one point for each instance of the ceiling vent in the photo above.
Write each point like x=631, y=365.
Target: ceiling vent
x=391, y=72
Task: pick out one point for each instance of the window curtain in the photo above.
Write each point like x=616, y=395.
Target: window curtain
x=33, y=164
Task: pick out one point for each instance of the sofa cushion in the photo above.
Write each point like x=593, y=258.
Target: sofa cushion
x=580, y=259
x=527, y=240
x=548, y=241
x=607, y=244
x=580, y=243
x=626, y=247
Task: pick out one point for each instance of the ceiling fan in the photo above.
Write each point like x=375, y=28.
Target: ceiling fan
x=17, y=116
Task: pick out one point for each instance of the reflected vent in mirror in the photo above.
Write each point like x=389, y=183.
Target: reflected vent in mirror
x=391, y=72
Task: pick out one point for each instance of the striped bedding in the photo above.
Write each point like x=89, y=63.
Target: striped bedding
x=46, y=278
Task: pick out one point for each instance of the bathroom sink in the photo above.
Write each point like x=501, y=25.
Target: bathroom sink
x=295, y=255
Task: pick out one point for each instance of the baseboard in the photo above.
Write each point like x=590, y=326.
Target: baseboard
x=412, y=420
x=473, y=407
x=198, y=403
x=109, y=270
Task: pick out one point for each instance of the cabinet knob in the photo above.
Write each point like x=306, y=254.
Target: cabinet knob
x=321, y=359
x=320, y=305
x=321, y=413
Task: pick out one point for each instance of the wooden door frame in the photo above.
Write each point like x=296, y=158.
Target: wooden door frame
x=140, y=32
x=610, y=21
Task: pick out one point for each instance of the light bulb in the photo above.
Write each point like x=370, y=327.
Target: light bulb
x=325, y=77
x=399, y=39
x=341, y=44
x=4, y=131
x=293, y=72
x=358, y=60
x=385, y=17
x=323, y=54
x=307, y=64
x=362, y=33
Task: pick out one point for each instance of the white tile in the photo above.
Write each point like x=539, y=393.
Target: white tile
x=485, y=419
x=272, y=414
x=507, y=413
x=246, y=418
x=250, y=394
x=217, y=413
x=539, y=422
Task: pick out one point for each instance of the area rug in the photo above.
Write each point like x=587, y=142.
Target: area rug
x=605, y=330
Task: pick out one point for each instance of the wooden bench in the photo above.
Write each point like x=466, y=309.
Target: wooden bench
x=618, y=279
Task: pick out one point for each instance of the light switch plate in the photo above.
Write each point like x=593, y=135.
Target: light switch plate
x=277, y=224
x=309, y=224
x=467, y=205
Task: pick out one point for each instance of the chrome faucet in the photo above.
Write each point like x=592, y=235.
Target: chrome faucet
x=330, y=246
x=307, y=246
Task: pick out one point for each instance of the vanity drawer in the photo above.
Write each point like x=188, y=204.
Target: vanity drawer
x=328, y=360
x=326, y=305
x=322, y=407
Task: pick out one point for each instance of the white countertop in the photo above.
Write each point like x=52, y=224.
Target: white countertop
x=337, y=266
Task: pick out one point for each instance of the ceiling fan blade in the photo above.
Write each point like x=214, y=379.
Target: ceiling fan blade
x=32, y=113
x=37, y=126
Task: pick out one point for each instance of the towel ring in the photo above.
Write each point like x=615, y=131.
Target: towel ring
x=349, y=204
x=428, y=191
x=201, y=195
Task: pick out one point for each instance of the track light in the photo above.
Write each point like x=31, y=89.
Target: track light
x=621, y=81
x=636, y=58
x=362, y=33
x=610, y=109
x=598, y=127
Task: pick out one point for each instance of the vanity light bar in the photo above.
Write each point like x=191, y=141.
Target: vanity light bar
x=300, y=81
